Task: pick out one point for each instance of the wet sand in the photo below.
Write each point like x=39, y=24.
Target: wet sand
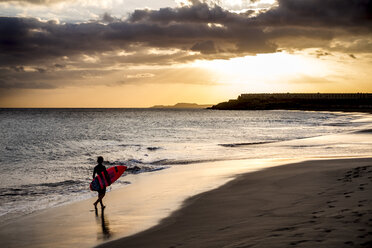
x=138, y=206
x=320, y=203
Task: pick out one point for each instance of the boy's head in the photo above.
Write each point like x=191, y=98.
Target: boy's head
x=100, y=159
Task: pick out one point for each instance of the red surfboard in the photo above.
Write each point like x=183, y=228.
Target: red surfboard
x=103, y=179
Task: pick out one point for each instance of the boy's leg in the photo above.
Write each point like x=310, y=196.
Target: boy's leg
x=100, y=197
x=96, y=202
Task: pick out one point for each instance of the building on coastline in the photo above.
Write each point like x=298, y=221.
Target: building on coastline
x=341, y=96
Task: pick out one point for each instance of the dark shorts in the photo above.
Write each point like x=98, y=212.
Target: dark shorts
x=102, y=191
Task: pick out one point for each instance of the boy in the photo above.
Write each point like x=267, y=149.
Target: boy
x=98, y=170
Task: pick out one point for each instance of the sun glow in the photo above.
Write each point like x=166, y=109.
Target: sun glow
x=275, y=72
x=264, y=68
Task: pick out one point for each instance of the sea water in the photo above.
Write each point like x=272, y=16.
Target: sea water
x=48, y=155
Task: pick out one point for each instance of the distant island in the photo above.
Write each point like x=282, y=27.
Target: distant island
x=185, y=106
x=300, y=101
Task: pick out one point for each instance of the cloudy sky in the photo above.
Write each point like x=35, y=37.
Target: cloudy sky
x=139, y=53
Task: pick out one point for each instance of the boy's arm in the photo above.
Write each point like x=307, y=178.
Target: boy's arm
x=94, y=173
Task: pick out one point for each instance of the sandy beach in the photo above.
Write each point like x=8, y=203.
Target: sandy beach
x=317, y=203
x=320, y=203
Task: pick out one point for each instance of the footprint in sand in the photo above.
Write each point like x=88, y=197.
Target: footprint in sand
x=298, y=235
x=224, y=228
x=356, y=213
x=275, y=235
x=298, y=242
x=315, y=212
x=339, y=217
x=284, y=229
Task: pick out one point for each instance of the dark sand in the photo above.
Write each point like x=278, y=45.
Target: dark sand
x=321, y=203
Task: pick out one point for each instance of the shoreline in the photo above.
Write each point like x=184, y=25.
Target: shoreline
x=152, y=197
x=318, y=203
x=77, y=225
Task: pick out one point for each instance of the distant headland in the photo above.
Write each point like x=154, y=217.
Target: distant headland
x=300, y=101
x=185, y=106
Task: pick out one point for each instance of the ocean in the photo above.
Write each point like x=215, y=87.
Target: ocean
x=48, y=155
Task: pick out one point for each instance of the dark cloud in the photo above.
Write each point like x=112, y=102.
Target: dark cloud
x=206, y=47
x=28, y=41
x=324, y=13
x=41, y=70
x=59, y=66
x=197, y=13
x=18, y=68
x=107, y=18
x=212, y=31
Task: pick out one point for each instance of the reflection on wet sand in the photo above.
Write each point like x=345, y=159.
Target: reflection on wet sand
x=105, y=226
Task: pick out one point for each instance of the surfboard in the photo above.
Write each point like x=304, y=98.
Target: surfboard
x=103, y=179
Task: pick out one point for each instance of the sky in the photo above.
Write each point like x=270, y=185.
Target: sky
x=140, y=53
